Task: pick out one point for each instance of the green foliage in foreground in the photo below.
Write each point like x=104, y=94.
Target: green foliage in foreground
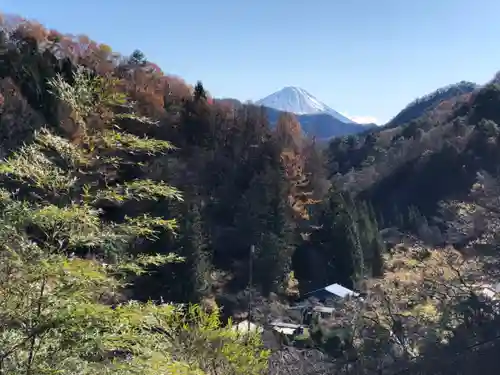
x=56, y=318
x=63, y=314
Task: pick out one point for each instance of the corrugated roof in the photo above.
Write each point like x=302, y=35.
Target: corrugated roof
x=283, y=324
x=284, y=330
x=335, y=289
x=340, y=291
x=323, y=309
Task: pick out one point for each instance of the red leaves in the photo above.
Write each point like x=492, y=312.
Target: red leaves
x=145, y=83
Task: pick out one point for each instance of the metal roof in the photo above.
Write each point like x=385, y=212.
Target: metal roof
x=284, y=330
x=299, y=306
x=340, y=291
x=323, y=309
x=283, y=324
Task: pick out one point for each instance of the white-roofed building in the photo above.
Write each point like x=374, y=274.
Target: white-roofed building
x=246, y=326
x=332, y=291
x=286, y=328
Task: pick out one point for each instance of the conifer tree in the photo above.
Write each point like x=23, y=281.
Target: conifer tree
x=355, y=232
x=377, y=262
x=372, y=244
x=337, y=240
x=199, y=92
x=192, y=245
x=264, y=223
x=137, y=58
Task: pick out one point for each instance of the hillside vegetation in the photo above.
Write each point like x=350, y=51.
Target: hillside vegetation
x=130, y=203
x=438, y=101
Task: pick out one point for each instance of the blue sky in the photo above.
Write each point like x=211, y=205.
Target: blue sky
x=364, y=58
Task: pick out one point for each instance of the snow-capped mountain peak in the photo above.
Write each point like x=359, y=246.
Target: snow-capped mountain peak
x=299, y=101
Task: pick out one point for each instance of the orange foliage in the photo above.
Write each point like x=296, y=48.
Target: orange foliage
x=146, y=84
x=289, y=134
x=289, y=131
x=299, y=196
x=33, y=30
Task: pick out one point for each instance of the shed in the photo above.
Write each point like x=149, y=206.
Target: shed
x=286, y=328
x=332, y=291
x=324, y=311
x=243, y=327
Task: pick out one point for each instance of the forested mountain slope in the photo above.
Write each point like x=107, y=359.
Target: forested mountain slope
x=439, y=100
x=242, y=183
x=84, y=217
x=424, y=163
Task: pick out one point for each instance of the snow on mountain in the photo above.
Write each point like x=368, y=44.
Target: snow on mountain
x=299, y=101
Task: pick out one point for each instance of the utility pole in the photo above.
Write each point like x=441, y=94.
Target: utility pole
x=250, y=281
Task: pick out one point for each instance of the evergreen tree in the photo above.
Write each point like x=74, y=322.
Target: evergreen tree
x=263, y=221
x=372, y=244
x=337, y=240
x=137, y=58
x=197, y=126
x=193, y=247
x=354, y=233
x=199, y=92
x=275, y=248
x=377, y=263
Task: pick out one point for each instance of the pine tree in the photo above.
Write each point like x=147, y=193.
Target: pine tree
x=196, y=120
x=377, y=263
x=199, y=92
x=137, y=58
x=355, y=237
x=337, y=240
x=264, y=222
x=275, y=248
x=193, y=246
x=372, y=244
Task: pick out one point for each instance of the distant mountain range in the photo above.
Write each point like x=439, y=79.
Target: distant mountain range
x=316, y=118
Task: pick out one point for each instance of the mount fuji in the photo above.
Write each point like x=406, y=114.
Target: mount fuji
x=316, y=118
x=300, y=102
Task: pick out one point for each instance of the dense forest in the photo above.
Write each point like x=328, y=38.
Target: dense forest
x=139, y=218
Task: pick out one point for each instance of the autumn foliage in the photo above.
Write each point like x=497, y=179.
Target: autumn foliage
x=241, y=174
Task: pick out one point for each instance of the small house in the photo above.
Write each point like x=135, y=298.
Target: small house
x=333, y=291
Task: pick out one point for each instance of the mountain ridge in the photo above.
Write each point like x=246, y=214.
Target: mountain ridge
x=431, y=101
x=299, y=101
x=317, y=119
